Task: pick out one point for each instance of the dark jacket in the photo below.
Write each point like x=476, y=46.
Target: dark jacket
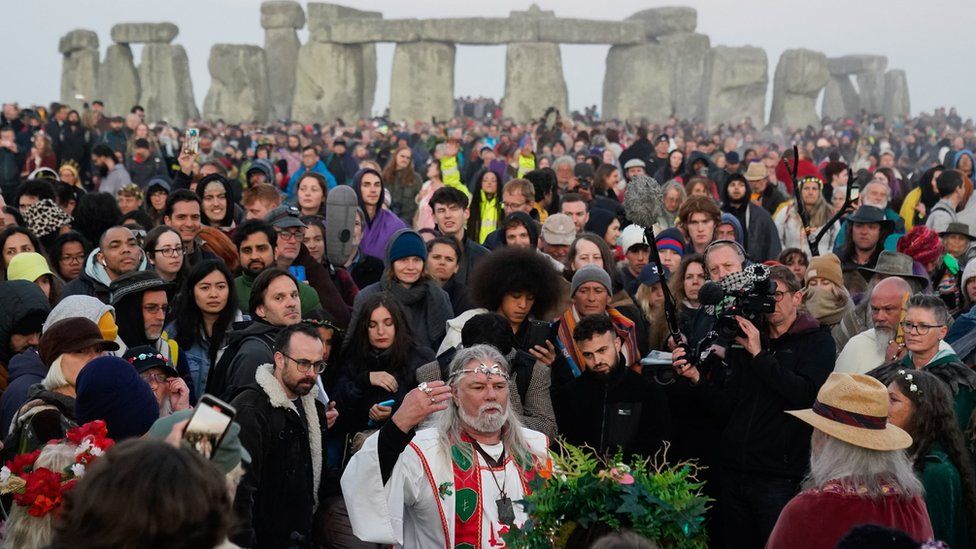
x=249, y=345
x=772, y=197
x=624, y=410
x=26, y=370
x=45, y=416
x=10, y=165
x=282, y=485
x=142, y=172
x=86, y=285
x=459, y=295
x=319, y=278
x=366, y=270
x=471, y=253
x=20, y=299
x=641, y=149
x=753, y=393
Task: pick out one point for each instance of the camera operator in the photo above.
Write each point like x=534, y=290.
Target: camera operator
x=763, y=452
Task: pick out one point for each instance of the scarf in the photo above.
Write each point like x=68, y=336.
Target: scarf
x=625, y=330
x=425, y=309
x=827, y=304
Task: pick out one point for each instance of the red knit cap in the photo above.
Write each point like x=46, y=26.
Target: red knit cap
x=922, y=244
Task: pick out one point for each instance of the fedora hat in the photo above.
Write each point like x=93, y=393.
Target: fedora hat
x=871, y=214
x=961, y=229
x=756, y=171
x=854, y=408
x=893, y=264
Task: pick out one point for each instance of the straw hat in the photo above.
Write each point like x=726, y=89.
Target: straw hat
x=854, y=408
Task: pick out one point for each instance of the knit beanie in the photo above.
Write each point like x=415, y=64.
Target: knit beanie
x=405, y=243
x=922, y=244
x=825, y=266
x=671, y=239
x=590, y=273
x=110, y=389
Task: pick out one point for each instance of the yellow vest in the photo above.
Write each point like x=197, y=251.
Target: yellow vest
x=526, y=164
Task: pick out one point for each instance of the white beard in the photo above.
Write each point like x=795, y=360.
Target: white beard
x=484, y=422
x=881, y=338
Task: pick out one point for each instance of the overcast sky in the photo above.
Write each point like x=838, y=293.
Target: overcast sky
x=932, y=40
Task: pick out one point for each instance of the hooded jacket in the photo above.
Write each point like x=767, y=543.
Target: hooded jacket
x=282, y=487
x=318, y=168
x=21, y=299
x=378, y=230
x=715, y=174
x=94, y=280
x=761, y=237
x=249, y=345
x=497, y=239
x=158, y=183
x=233, y=214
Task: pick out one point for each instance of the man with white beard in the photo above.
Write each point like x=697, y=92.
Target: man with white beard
x=416, y=489
x=872, y=348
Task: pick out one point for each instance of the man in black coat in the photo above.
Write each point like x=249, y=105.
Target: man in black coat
x=609, y=406
x=284, y=428
x=450, y=208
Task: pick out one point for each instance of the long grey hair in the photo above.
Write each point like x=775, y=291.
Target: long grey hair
x=449, y=425
x=834, y=459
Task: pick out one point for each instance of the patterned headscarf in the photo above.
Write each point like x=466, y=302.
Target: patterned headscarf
x=45, y=217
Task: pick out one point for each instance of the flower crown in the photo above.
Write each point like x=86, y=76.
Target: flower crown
x=41, y=489
x=909, y=377
x=147, y=356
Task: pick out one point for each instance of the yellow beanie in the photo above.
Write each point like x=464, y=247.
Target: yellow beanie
x=108, y=327
x=27, y=266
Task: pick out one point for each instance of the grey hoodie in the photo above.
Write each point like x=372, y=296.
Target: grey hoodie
x=94, y=280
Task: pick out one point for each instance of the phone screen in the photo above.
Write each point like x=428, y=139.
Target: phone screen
x=191, y=140
x=298, y=271
x=210, y=421
x=855, y=193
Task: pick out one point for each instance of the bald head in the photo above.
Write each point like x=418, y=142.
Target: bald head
x=887, y=301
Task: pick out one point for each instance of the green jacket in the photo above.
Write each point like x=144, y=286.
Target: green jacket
x=306, y=295
x=944, y=499
x=961, y=380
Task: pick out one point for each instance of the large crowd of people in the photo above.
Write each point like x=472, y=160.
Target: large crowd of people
x=387, y=305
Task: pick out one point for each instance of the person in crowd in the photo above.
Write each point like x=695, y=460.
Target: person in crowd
x=424, y=218
x=68, y=255
x=479, y=424
x=363, y=268
x=118, y=253
x=218, y=207
x=486, y=205
x=558, y=234
x=427, y=306
x=259, y=200
x=759, y=234
x=786, y=373
x=201, y=324
x=685, y=285
x=311, y=162
x=314, y=241
x=165, y=252
x=698, y=218
x=42, y=389
x=451, y=215
x=273, y=305
x=255, y=241
x=129, y=198
x=403, y=183
x=442, y=266
x=154, y=202
x=921, y=404
x=924, y=326
x=797, y=260
x=311, y=194
x=33, y=267
x=763, y=192
x=195, y=512
x=674, y=168
x=518, y=195
x=283, y=428
x=379, y=366
x=606, y=225
x=380, y=223
x=573, y=205
x=183, y=213
x=591, y=291
x=670, y=247
x=170, y=390
x=292, y=255
x=789, y=224
x=952, y=194
x=859, y=472
x=866, y=238
x=920, y=201
x=114, y=176
x=648, y=307
x=884, y=341
x=17, y=240
x=609, y=407
x=46, y=219
x=824, y=294
x=636, y=250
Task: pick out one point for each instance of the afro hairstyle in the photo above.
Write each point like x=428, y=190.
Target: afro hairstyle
x=509, y=270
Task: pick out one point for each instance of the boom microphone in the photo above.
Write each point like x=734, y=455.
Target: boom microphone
x=642, y=201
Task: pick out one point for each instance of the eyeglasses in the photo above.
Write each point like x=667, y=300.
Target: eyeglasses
x=69, y=259
x=170, y=252
x=154, y=308
x=155, y=379
x=920, y=329
x=304, y=365
x=291, y=235
x=513, y=205
x=778, y=296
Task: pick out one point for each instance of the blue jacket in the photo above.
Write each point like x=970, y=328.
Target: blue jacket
x=318, y=168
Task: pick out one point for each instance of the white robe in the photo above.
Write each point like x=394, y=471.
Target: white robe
x=412, y=510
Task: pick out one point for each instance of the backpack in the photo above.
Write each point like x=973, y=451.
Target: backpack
x=217, y=379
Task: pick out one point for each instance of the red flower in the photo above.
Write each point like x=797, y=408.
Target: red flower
x=22, y=461
x=95, y=429
x=42, y=492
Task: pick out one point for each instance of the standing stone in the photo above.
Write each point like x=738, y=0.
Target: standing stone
x=871, y=89
x=422, y=82
x=800, y=75
x=840, y=98
x=666, y=20
x=896, y=102
x=144, y=33
x=79, y=67
x=637, y=84
x=321, y=15
x=167, y=91
x=118, y=80
x=238, y=86
x=281, y=19
x=369, y=78
x=328, y=82
x=735, y=85
x=533, y=80
x=687, y=52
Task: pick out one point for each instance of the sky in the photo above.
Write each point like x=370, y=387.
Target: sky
x=930, y=40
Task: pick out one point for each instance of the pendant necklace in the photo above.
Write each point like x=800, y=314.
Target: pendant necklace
x=506, y=510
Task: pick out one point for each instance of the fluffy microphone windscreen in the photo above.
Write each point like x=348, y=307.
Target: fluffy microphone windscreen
x=642, y=201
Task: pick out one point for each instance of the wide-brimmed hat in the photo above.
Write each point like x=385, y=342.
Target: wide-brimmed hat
x=871, y=214
x=756, y=171
x=960, y=229
x=854, y=408
x=893, y=264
